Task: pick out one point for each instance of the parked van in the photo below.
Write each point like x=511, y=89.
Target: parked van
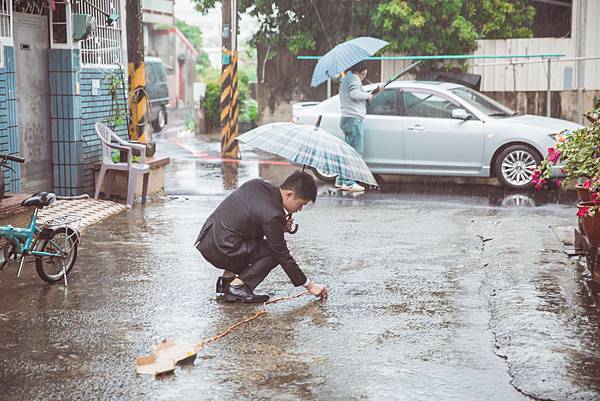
x=158, y=92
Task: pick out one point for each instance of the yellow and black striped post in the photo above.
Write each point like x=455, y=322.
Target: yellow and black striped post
x=229, y=147
x=138, y=103
x=235, y=109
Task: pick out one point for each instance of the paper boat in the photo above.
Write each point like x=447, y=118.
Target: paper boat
x=179, y=353
x=151, y=365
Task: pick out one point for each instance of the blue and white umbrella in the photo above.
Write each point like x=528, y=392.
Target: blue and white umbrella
x=311, y=146
x=344, y=56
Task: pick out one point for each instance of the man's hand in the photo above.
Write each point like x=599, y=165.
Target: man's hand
x=289, y=223
x=317, y=290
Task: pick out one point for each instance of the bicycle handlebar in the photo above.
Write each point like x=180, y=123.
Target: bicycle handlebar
x=12, y=158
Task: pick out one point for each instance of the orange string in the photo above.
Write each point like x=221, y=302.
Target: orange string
x=258, y=314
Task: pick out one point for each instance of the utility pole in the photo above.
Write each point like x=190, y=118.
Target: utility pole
x=229, y=81
x=138, y=101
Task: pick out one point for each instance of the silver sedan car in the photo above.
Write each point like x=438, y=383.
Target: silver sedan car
x=445, y=129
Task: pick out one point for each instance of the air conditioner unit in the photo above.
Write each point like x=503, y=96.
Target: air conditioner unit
x=83, y=26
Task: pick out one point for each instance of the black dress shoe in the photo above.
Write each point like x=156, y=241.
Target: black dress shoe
x=242, y=293
x=222, y=282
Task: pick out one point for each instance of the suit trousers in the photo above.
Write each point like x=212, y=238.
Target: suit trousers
x=253, y=269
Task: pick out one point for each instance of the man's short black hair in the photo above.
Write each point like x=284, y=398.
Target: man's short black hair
x=358, y=67
x=302, y=184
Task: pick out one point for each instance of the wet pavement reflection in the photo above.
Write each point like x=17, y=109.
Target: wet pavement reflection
x=439, y=290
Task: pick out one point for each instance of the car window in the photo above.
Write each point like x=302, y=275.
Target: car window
x=383, y=104
x=150, y=73
x=485, y=104
x=159, y=70
x=426, y=104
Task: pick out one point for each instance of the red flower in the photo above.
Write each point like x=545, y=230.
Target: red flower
x=587, y=184
x=557, y=182
x=595, y=197
x=553, y=155
x=582, y=211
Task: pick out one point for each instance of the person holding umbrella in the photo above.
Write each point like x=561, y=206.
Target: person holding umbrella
x=244, y=236
x=353, y=105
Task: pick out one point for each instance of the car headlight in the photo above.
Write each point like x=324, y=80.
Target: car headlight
x=560, y=136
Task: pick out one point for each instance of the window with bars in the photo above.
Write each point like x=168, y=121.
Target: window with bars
x=104, y=46
x=5, y=26
x=60, y=20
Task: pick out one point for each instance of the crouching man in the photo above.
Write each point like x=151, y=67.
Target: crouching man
x=244, y=236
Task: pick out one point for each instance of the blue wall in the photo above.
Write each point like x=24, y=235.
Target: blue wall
x=97, y=108
x=74, y=111
x=9, y=131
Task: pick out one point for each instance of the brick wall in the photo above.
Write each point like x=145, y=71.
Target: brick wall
x=9, y=135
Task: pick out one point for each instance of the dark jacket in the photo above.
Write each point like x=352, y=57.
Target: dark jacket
x=252, y=212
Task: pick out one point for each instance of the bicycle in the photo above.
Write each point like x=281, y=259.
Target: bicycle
x=53, y=244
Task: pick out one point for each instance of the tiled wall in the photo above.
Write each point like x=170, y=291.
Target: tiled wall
x=9, y=134
x=75, y=109
x=97, y=108
x=64, y=117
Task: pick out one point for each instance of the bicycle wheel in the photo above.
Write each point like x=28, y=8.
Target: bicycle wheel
x=50, y=268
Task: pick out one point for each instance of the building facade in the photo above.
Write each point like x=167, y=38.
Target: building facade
x=163, y=40
x=55, y=85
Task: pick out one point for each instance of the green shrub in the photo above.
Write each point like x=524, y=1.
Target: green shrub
x=212, y=102
x=249, y=111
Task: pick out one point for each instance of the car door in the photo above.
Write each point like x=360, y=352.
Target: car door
x=162, y=87
x=384, y=143
x=436, y=143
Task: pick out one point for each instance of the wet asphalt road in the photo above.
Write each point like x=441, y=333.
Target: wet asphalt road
x=438, y=291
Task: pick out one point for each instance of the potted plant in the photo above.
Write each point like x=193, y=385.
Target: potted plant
x=579, y=150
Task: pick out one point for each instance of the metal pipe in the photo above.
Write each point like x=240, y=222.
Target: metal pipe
x=548, y=92
x=448, y=56
x=580, y=49
x=559, y=60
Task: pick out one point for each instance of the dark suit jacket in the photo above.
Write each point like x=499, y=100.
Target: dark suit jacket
x=252, y=212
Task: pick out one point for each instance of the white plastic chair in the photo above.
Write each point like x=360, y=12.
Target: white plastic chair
x=110, y=141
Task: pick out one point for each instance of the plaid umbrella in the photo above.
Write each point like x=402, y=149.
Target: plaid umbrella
x=311, y=146
x=344, y=56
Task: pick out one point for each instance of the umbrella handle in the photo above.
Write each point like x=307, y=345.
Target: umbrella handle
x=294, y=229
x=318, y=121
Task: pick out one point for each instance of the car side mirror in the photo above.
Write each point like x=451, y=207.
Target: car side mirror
x=460, y=114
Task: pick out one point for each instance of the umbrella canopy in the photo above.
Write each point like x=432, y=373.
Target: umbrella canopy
x=344, y=56
x=312, y=146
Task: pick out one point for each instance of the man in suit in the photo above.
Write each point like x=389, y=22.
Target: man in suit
x=245, y=236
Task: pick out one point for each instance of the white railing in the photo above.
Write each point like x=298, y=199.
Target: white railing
x=5, y=18
x=5, y=27
x=104, y=46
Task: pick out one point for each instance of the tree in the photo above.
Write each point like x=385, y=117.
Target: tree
x=411, y=26
x=312, y=27
x=427, y=27
x=194, y=35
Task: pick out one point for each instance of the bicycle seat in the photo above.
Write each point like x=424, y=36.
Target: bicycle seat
x=40, y=199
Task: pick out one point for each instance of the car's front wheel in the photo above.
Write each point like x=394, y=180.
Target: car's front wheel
x=323, y=176
x=515, y=165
